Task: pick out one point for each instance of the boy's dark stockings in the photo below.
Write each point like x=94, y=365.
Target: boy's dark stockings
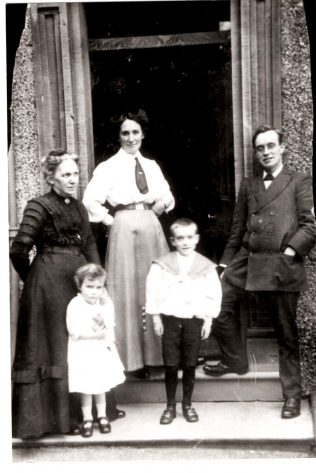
x=188, y=379
x=171, y=382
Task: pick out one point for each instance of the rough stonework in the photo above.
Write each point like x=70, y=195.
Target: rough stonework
x=24, y=134
x=297, y=122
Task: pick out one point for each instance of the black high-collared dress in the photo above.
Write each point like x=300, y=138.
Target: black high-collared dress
x=60, y=231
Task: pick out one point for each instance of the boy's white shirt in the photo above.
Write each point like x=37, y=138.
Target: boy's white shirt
x=181, y=295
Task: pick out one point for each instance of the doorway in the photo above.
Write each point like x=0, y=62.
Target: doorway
x=186, y=94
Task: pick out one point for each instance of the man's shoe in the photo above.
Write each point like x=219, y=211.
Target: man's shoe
x=291, y=408
x=189, y=413
x=220, y=369
x=168, y=415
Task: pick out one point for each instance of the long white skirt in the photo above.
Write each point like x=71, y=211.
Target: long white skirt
x=136, y=239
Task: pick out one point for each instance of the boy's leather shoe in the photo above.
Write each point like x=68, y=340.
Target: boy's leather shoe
x=220, y=369
x=291, y=408
x=87, y=428
x=168, y=415
x=189, y=413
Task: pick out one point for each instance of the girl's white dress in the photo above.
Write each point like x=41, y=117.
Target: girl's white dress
x=94, y=366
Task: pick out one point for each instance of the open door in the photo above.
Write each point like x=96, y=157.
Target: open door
x=183, y=81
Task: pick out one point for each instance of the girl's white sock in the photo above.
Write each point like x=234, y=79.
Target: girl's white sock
x=86, y=406
x=100, y=403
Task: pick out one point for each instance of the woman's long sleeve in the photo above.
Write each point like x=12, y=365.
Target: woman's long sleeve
x=34, y=218
x=96, y=194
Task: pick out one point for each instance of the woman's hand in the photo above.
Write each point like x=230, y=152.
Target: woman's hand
x=159, y=207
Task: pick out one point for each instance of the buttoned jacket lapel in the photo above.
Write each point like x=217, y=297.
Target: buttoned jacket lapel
x=264, y=196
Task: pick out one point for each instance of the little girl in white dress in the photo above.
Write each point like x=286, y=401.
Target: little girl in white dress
x=94, y=365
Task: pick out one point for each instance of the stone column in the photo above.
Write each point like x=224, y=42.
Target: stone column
x=297, y=122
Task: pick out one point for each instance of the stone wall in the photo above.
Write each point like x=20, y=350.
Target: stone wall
x=24, y=132
x=297, y=123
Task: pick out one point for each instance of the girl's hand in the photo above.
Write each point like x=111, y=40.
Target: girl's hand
x=100, y=334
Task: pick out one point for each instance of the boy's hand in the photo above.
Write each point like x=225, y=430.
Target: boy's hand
x=158, y=325
x=206, y=329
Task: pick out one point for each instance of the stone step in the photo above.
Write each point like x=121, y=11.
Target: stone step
x=225, y=423
x=261, y=383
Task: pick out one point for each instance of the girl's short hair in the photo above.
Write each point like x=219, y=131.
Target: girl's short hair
x=52, y=160
x=91, y=271
x=183, y=222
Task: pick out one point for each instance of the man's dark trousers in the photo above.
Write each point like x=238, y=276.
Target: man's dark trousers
x=226, y=330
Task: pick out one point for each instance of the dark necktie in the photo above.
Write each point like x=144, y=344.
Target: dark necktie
x=140, y=177
x=268, y=177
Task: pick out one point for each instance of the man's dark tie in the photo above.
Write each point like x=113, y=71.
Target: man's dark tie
x=140, y=177
x=268, y=177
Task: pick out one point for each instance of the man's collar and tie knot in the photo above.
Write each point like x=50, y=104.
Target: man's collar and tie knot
x=268, y=177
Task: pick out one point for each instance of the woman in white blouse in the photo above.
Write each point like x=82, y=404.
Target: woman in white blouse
x=136, y=237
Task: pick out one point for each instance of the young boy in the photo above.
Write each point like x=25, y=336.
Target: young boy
x=183, y=294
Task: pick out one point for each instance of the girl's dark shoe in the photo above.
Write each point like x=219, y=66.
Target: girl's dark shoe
x=104, y=426
x=189, y=413
x=168, y=415
x=87, y=428
x=115, y=414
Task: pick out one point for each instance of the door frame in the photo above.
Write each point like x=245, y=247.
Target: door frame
x=64, y=104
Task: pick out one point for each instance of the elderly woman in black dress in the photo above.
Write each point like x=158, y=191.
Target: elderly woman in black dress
x=57, y=225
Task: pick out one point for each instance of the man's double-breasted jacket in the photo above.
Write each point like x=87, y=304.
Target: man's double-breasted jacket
x=265, y=222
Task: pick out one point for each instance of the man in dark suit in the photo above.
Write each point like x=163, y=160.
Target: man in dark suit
x=273, y=229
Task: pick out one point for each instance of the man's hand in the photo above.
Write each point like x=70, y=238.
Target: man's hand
x=289, y=251
x=206, y=329
x=158, y=325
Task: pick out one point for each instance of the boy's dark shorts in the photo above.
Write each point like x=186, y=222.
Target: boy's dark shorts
x=181, y=340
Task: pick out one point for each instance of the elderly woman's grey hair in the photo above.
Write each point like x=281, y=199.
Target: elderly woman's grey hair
x=52, y=160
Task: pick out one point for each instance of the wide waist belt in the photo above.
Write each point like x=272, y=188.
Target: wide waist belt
x=135, y=206
x=73, y=250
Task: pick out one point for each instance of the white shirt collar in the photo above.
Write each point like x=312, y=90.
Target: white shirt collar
x=275, y=173
x=129, y=156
